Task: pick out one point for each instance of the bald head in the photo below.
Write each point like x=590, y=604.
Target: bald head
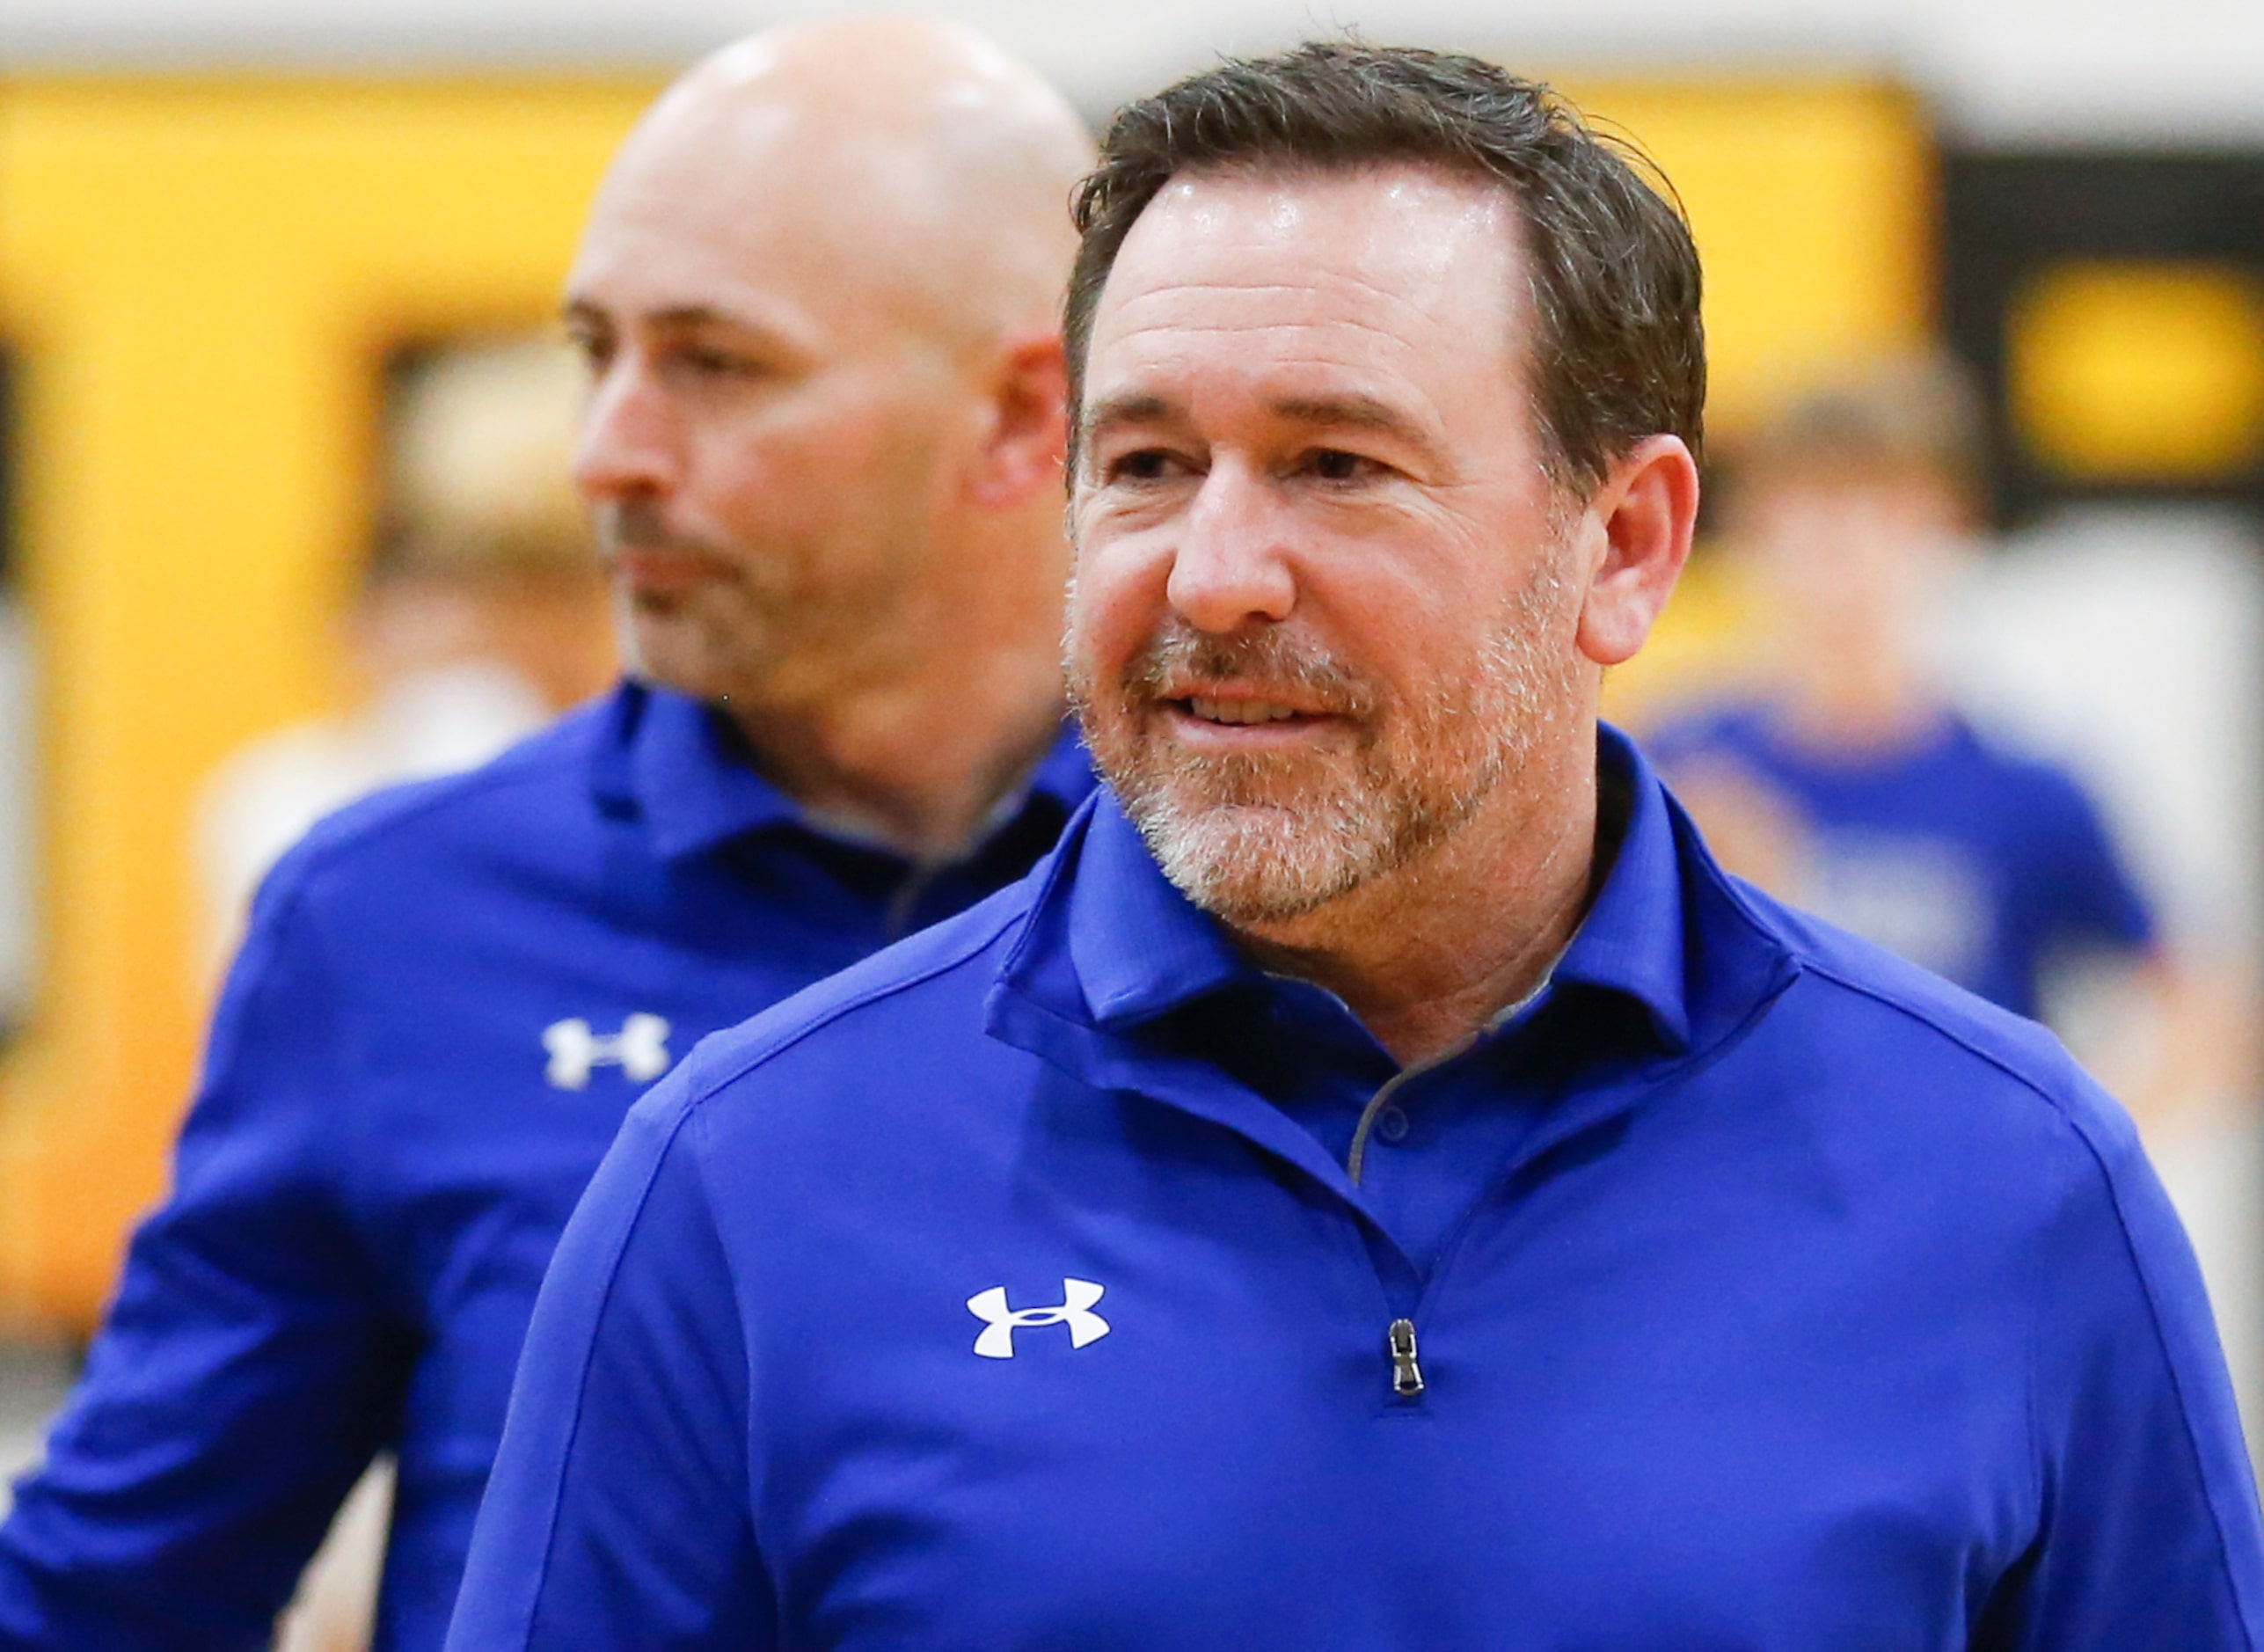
x=907, y=155
x=820, y=300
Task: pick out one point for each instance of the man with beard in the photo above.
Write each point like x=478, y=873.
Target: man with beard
x=822, y=449
x=1378, y=1185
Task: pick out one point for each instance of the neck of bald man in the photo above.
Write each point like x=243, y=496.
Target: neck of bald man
x=920, y=754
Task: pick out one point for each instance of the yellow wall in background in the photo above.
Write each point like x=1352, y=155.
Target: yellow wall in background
x=200, y=277
x=1813, y=205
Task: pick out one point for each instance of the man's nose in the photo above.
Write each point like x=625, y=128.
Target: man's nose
x=628, y=441
x=1230, y=567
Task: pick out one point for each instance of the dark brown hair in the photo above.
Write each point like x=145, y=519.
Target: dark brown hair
x=1618, y=354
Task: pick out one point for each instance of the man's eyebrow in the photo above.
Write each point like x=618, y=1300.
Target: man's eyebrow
x=583, y=310
x=1354, y=412
x=1339, y=412
x=1136, y=407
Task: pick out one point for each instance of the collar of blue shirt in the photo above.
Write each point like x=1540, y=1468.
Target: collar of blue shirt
x=1112, y=946
x=672, y=760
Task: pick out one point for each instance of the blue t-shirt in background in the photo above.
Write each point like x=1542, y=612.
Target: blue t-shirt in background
x=1984, y=867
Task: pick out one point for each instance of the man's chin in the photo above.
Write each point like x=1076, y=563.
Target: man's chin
x=665, y=651
x=1246, y=897
x=1249, y=865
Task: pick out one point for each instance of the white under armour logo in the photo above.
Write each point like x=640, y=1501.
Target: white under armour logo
x=1000, y=1322
x=640, y=1049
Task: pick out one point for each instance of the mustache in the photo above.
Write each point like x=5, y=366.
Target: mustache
x=1180, y=660
x=636, y=525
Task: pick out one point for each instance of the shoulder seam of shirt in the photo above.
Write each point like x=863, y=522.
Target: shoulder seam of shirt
x=670, y=1129
x=284, y=911
x=820, y=1016
x=332, y=1124
x=396, y=807
x=1809, y=962
x=2098, y=1158
x=288, y=917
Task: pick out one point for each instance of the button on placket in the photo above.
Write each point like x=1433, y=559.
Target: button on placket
x=1391, y=1126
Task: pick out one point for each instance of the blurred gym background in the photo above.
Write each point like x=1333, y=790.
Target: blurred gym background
x=281, y=430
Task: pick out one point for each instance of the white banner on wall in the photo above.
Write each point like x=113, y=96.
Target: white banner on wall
x=2013, y=71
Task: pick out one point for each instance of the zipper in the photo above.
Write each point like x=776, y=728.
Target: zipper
x=1400, y=1340
x=1406, y=1371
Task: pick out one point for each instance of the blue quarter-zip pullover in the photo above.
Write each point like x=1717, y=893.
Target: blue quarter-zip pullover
x=1750, y=1290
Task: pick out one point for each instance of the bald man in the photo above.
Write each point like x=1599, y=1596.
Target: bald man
x=821, y=452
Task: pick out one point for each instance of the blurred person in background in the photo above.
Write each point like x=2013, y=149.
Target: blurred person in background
x=1842, y=776
x=482, y=615
x=821, y=450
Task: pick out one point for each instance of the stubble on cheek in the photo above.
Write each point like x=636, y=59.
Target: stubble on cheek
x=1248, y=836
x=1258, y=839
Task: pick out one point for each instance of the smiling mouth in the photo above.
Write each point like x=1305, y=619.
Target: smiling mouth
x=1242, y=716
x=1211, y=709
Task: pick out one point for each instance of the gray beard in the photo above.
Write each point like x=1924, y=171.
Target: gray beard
x=1237, y=842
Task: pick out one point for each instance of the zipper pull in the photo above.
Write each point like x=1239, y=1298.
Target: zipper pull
x=1406, y=1375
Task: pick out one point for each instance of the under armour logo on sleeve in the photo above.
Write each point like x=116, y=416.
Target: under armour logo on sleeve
x=640, y=1049
x=1000, y=1322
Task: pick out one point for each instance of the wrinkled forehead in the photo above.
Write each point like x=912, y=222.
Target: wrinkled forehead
x=1401, y=227
x=1397, y=263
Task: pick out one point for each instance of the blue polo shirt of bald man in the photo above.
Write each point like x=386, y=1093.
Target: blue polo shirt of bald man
x=448, y=996
x=1011, y=1290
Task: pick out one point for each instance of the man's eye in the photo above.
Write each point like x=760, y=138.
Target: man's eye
x=1142, y=464
x=716, y=363
x=701, y=362
x=595, y=350
x=1335, y=465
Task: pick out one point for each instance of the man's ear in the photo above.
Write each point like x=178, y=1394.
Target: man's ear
x=1639, y=521
x=1023, y=449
